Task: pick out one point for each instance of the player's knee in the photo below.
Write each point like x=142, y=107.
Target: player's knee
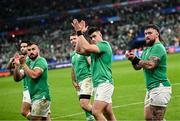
x=95, y=112
x=108, y=113
x=84, y=104
x=148, y=117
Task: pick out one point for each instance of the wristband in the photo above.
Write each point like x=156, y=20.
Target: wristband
x=79, y=33
x=135, y=61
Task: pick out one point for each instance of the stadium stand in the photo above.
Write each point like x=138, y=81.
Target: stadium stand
x=48, y=22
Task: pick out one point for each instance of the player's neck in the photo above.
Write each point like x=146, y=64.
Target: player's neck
x=36, y=58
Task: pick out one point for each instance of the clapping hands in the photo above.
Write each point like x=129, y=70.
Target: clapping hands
x=79, y=26
x=130, y=55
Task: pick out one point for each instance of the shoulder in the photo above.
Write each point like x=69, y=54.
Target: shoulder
x=159, y=47
x=41, y=60
x=41, y=63
x=103, y=44
x=159, y=44
x=72, y=53
x=104, y=47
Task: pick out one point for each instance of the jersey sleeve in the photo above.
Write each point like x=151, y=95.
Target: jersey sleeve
x=158, y=51
x=103, y=46
x=41, y=64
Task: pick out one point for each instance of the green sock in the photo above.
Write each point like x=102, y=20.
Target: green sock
x=89, y=116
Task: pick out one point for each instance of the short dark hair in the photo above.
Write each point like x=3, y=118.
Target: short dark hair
x=23, y=41
x=92, y=30
x=153, y=26
x=32, y=43
x=73, y=33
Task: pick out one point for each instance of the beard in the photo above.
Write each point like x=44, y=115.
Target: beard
x=150, y=43
x=33, y=57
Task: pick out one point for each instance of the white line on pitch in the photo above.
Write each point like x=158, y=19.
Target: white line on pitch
x=75, y=114
x=114, y=107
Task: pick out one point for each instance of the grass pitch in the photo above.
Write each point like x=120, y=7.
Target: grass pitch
x=127, y=99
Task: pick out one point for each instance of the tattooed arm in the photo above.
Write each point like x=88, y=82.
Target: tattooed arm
x=150, y=64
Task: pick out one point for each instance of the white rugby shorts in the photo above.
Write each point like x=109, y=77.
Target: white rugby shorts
x=86, y=87
x=26, y=96
x=159, y=96
x=104, y=92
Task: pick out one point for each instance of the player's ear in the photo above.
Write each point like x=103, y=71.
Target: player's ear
x=100, y=34
x=157, y=33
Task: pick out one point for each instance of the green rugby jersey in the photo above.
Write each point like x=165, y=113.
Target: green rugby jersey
x=101, y=64
x=158, y=75
x=38, y=88
x=81, y=66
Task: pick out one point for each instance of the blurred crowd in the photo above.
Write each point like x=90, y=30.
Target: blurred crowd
x=119, y=25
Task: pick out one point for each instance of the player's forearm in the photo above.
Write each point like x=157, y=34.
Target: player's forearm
x=83, y=43
x=72, y=75
x=147, y=64
x=79, y=50
x=73, y=78
x=30, y=72
x=17, y=75
x=74, y=83
x=151, y=63
x=9, y=65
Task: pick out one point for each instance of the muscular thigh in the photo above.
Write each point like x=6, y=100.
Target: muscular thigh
x=156, y=101
x=99, y=106
x=157, y=112
x=25, y=106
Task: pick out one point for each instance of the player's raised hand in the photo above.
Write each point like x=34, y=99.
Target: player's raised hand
x=22, y=59
x=76, y=25
x=83, y=26
x=16, y=59
x=130, y=55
